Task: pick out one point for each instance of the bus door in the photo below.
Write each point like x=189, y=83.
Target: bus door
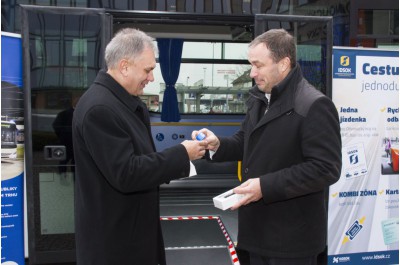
x=313, y=35
x=63, y=49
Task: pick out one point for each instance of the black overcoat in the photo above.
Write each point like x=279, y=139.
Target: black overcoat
x=295, y=150
x=118, y=173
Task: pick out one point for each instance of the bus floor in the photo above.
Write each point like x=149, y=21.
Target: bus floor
x=185, y=205
x=195, y=232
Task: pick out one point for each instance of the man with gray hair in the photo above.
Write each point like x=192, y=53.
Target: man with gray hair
x=118, y=171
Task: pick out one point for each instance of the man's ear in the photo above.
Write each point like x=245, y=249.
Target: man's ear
x=123, y=67
x=285, y=64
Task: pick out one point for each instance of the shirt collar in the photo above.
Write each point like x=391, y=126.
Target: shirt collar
x=280, y=87
x=133, y=102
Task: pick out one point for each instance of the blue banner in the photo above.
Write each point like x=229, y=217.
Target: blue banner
x=12, y=151
x=370, y=258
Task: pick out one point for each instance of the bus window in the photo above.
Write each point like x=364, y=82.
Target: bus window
x=213, y=78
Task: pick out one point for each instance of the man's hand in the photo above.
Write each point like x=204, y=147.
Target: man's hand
x=212, y=140
x=251, y=190
x=195, y=149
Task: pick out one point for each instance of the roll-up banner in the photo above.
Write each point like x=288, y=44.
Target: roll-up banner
x=363, y=218
x=12, y=151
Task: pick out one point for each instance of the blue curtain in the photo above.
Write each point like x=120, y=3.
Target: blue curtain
x=170, y=55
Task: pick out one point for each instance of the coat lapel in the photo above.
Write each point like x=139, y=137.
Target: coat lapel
x=108, y=82
x=284, y=99
x=133, y=104
x=274, y=112
x=283, y=105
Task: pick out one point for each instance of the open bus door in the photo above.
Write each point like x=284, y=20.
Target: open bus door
x=63, y=49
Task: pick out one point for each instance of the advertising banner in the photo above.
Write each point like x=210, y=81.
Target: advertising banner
x=363, y=220
x=12, y=151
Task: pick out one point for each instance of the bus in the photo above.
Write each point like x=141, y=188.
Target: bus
x=63, y=49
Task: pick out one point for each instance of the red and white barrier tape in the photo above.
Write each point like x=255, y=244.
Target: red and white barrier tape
x=231, y=245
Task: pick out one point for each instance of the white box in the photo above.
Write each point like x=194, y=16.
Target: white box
x=226, y=200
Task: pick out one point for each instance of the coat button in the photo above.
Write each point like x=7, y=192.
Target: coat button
x=246, y=170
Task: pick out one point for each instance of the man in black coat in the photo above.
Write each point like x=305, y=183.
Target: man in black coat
x=118, y=171
x=290, y=147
